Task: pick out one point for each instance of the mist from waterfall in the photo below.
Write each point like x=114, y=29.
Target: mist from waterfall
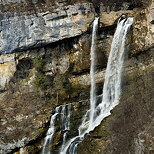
x=112, y=84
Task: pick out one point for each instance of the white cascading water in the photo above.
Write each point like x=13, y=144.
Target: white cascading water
x=92, y=71
x=50, y=133
x=71, y=146
x=113, y=75
x=63, y=112
x=111, y=88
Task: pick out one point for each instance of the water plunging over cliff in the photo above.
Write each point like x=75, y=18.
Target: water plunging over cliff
x=111, y=88
x=63, y=112
x=112, y=84
x=88, y=119
x=92, y=72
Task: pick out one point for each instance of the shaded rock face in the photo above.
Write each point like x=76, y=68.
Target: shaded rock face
x=48, y=62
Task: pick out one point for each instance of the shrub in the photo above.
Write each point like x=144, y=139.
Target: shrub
x=41, y=80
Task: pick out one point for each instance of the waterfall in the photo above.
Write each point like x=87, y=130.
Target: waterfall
x=92, y=72
x=63, y=113
x=71, y=146
x=112, y=84
x=50, y=133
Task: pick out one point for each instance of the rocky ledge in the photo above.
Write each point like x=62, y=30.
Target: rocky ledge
x=20, y=31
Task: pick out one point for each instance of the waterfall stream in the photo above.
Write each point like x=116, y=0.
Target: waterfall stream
x=112, y=84
x=92, y=72
x=110, y=96
x=113, y=76
x=88, y=119
x=63, y=112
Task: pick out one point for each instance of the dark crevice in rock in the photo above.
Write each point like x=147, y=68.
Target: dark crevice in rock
x=152, y=22
x=67, y=41
x=22, y=70
x=83, y=72
x=108, y=30
x=142, y=52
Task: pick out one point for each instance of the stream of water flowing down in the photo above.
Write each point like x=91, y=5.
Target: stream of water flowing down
x=112, y=84
x=62, y=113
x=110, y=95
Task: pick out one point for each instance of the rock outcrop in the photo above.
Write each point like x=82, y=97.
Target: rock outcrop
x=20, y=31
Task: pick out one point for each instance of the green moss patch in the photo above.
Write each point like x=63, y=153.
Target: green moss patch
x=42, y=81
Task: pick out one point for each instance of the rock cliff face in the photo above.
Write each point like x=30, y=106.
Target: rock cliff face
x=22, y=30
x=45, y=62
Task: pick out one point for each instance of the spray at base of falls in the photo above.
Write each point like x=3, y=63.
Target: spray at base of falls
x=63, y=112
x=111, y=88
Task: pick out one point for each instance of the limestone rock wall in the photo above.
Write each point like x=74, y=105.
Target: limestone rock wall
x=141, y=15
x=20, y=31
